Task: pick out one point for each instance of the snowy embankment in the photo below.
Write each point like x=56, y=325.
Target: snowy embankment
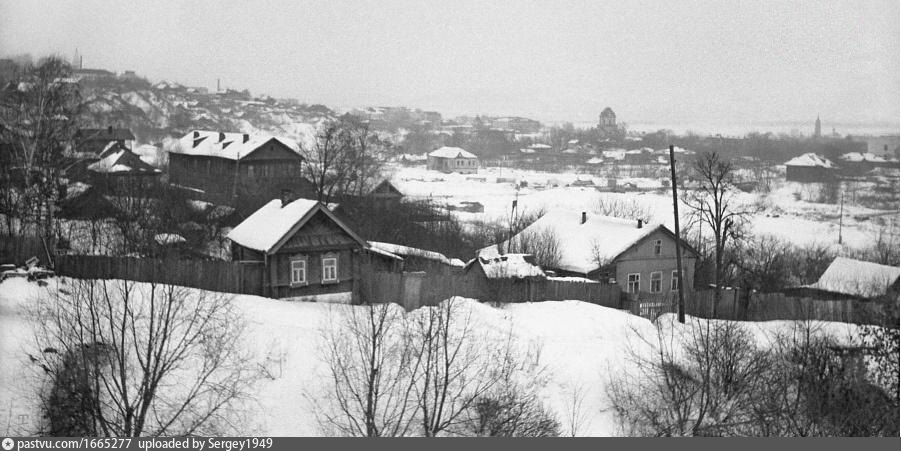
x=582, y=345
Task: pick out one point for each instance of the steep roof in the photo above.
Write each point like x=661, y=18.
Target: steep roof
x=232, y=146
x=451, y=152
x=585, y=247
x=121, y=160
x=811, y=160
x=515, y=266
x=386, y=187
x=856, y=278
x=268, y=228
x=608, y=112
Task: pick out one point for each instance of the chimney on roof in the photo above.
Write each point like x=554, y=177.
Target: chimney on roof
x=640, y=223
x=584, y=217
x=245, y=137
x=109, y=129
x=287, y=196
x=196, y=134
x=221, y=136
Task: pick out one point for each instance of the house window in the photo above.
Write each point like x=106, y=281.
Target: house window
x=634, y=283
x=329, y=269
x=299, y=271
x=656, y=282
x=250, y=170
x=658, y=245
x=674, y=282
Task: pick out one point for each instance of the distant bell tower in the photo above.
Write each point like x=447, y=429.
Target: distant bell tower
x=817, y=128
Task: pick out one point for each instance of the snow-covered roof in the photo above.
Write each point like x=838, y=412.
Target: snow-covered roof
x=516, y=266
x=595, y=160
x=267, y=227
x=811, y=160
x=406, y=251
x=232, y=146
x=618, y=154
x=539, y=146
x=121, y=160
x=856, y=278
x=451, y=152
x=857, y=157
x=584, y=246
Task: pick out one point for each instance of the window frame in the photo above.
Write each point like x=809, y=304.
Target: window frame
x=659, y=281
x=637, y=282
x=674, y=280
x=293, y=271
x=323, y=278
x=658, y=247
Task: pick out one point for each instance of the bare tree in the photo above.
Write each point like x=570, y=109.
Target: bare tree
x=457, y=366
x=150, y=359
x=38, y=118
x=372, y=372
x=713, y=206
x=345, y=158
x=576, y=417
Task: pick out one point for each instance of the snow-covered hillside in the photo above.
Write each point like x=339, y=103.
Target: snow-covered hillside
x=168, y=109
x=583, y=346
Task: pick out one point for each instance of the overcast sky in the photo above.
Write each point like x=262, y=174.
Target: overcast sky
x=660, y=61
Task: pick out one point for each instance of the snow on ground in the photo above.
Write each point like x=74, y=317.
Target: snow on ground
x=783, y=212
x=583, y=346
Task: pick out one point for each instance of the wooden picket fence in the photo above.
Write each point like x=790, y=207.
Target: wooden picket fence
x=766, y=307
x=16, y=249
x=229, y=277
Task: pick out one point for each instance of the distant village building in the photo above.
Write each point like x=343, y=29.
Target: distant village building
x=886, y=146
x=817, y=128
x=385, y=195
x=453, y=159
x=120, y=170
x=92, y=141
x=91, y=74
x=810, y=168
x=306, y=251
x=607, y=122
x=224, y=167
x=640, y=258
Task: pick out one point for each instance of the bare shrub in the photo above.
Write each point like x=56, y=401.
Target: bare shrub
x=626, y=208
x=142, y=359
x=703, y=388
x=543, y=244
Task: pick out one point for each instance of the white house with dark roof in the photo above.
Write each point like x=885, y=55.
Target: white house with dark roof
x=453, y=159
x=810, y=168
x=639, y=257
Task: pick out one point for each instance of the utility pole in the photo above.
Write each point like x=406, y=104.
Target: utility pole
x=672, y=165
x=841, y=213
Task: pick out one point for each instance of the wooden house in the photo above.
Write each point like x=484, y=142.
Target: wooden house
x=384, y=195
x=307, y=252
x=847, y=278
x=810, y=168
x=503, y=278
x=93, y=141
x=237, y=169
x=640, y=258
x=119, y=170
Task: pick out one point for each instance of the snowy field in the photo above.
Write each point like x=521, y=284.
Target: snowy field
x=782, y=213
x=583, y=346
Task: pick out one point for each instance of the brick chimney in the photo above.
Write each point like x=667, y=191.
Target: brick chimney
x=584, y=218
x=287, y=197
x=640, y=223
x=245, y=138
x=196, y=134
x=221, y=136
